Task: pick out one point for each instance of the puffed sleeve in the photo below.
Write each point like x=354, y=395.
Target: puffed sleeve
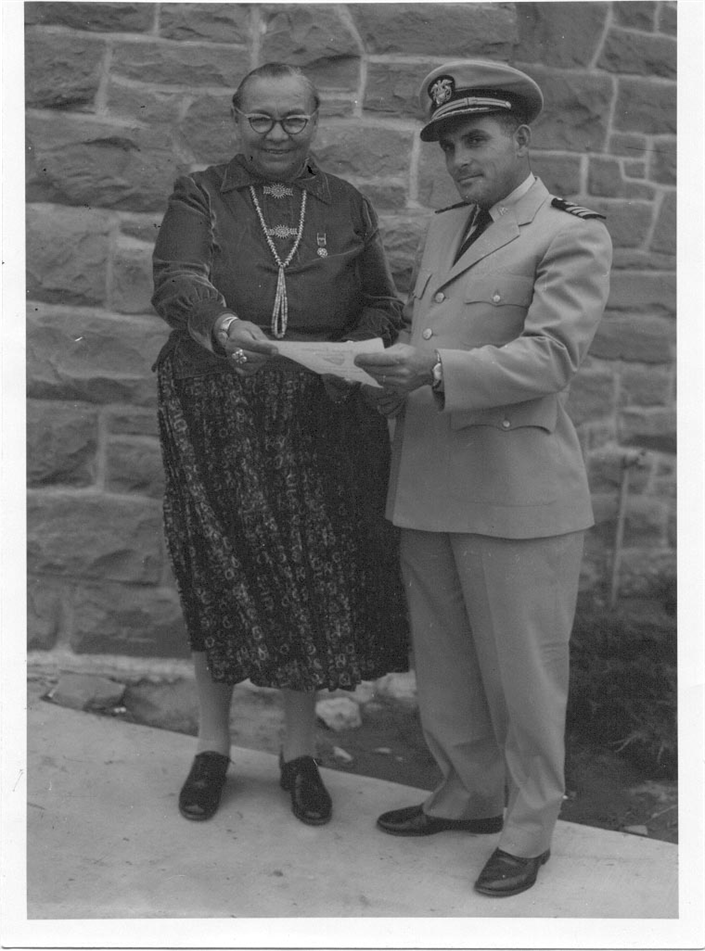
x=382, y=310
x=183, y=293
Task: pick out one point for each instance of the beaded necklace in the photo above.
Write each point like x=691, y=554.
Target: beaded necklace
x=280, y=313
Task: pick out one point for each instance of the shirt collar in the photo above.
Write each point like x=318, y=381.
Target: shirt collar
x=496, y=211
x=238, y=174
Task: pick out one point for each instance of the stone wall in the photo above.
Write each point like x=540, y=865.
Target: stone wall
x=121, y=97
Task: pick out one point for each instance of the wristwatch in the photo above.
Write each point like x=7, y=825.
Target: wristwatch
x=437, y=374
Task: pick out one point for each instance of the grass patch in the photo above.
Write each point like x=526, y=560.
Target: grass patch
x=623, y=691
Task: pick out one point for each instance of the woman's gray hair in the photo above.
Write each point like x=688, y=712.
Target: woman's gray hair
x=276, y=71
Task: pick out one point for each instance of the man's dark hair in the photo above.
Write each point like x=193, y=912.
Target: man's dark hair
x=510, y=121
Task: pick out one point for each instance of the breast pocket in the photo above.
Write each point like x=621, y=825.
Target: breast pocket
x=495, y=308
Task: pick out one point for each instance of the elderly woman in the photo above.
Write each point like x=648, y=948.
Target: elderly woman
x=275, y=476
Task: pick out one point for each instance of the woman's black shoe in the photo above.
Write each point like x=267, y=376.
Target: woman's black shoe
x=310, y=801
x=200, y=795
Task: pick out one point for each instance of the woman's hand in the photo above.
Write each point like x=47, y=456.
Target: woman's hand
x=401, y=368
x=245, y=343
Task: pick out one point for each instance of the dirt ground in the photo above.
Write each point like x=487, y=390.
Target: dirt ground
x=603, y=789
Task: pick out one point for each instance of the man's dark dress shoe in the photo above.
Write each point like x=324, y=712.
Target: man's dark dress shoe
x=310, y=801
x=414, y=821
x=506, y=874
x=200, y=795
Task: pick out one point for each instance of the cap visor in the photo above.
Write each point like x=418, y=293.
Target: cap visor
x=432, y=130
x=429, y=133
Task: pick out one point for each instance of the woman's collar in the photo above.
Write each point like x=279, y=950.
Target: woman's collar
x=238, y=174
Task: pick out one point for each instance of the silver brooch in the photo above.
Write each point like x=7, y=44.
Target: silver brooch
x=282, y=231
x=278, y=190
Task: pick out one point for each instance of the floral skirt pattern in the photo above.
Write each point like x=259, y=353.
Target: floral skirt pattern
x=287, y=570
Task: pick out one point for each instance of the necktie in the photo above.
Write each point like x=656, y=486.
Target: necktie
x=481, y=221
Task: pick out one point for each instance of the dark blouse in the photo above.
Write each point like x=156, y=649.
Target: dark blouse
x=211, y=257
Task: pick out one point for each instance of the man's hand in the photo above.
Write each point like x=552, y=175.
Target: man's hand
x=401, y=369
x=385, y=402
x=247, y=345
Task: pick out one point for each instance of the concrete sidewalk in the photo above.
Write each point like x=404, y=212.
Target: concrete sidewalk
x=105, y=840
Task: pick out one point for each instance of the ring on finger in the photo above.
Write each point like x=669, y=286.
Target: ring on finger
x=239, y=356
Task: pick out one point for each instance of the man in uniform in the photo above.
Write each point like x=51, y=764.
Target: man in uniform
x=488, y=481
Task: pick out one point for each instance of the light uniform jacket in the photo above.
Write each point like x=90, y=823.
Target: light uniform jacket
x=512, y=320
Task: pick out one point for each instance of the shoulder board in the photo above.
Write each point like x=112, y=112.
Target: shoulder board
x=458, y=204
x=576, y=210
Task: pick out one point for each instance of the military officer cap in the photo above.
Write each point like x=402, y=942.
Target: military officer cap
x=476, y=87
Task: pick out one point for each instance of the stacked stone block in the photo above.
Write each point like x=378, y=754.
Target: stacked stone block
x=122, y=97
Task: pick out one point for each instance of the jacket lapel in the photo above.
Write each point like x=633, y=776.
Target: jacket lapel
x=501, y=232
x=454, y=224
x=505, y=229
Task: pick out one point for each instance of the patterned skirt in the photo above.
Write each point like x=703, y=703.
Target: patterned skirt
x=287, y=570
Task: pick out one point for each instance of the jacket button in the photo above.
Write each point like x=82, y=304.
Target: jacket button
x=506, y=424
x=427, y=334
x=496, y=297
x=439, y=297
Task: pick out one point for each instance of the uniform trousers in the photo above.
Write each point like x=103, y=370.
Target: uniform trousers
x=491, y=621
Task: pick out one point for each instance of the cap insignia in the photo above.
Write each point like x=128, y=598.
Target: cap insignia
x=441, y=90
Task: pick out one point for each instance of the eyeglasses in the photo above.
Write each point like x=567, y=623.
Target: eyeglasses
x=262, y=123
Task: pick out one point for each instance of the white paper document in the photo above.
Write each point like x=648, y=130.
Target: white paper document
x=334, y=358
